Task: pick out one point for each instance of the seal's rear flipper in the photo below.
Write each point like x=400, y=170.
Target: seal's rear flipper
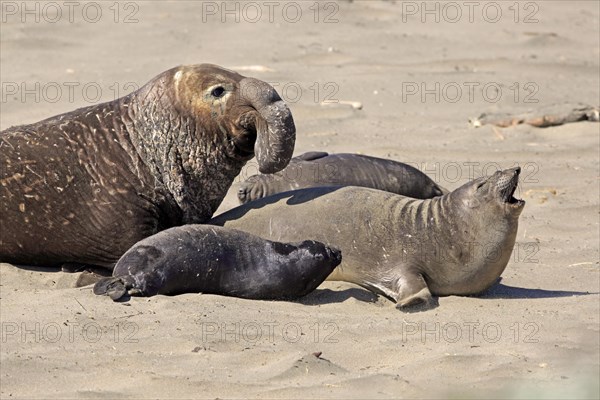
x=116, y=288
x=89, y=278
x=311, y=155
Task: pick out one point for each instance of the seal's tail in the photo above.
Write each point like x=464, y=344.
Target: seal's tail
x=116, y=288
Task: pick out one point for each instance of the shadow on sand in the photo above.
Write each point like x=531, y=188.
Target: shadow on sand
x=501, y=291
x=497, y=291
x=326, y=296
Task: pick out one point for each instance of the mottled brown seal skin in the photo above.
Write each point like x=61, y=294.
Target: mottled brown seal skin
x=211, y=259
x=404, y=248
x=314, y=169
x=84, y=186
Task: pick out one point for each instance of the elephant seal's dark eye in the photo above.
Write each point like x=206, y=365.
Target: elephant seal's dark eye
x=219, y=91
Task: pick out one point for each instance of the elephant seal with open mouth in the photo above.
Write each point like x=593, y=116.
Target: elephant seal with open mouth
x=83, y=187
x=403, y=248
x=314, y=169
x=211, y=259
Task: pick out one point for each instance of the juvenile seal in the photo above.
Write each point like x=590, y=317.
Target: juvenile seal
x=84, y=186
x=211, y=259
x=314, y=169
x=406, y=249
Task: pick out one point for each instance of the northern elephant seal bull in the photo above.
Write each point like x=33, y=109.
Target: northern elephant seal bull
x=84, y=186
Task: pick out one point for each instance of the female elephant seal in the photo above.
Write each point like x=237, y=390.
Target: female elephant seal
x=314, y=169
x=406, y=249
x=211, y=259
x=84, y=186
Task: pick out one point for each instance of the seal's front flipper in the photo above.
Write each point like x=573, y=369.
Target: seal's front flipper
x=116, y=288
x=422, y=301
x=414, y=295
x=311, y=155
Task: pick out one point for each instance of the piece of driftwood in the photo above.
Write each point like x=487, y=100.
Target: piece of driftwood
x=553, y=115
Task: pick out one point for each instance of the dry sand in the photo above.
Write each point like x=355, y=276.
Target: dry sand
x=535, y=335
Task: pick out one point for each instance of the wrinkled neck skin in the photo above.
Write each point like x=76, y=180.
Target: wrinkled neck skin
x=460, y=249
x=190, y=163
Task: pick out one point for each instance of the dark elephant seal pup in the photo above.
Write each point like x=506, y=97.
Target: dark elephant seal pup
x=211, y=259
x=84, y=186
x=406, y=249
x=314, y=169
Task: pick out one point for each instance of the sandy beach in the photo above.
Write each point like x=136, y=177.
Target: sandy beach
x=398, y=80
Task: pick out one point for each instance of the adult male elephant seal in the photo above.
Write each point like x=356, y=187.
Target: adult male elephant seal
x=406, y=249
x=84, y=186
x=211, y=259
x=314, y=169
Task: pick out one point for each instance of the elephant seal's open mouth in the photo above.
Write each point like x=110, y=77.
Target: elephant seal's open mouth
x=507, y=185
